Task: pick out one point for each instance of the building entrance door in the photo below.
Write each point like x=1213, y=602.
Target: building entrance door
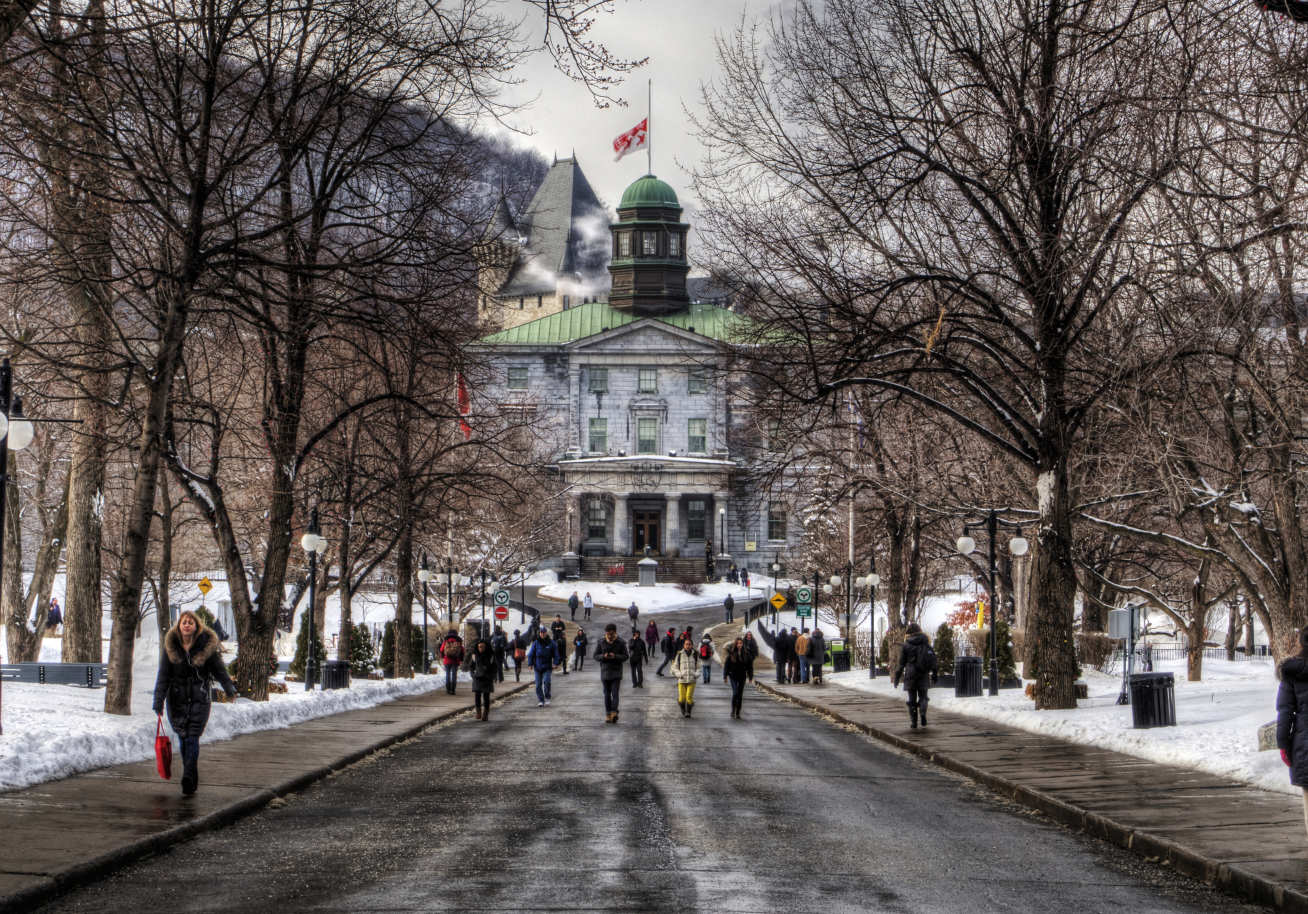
x=646, y=532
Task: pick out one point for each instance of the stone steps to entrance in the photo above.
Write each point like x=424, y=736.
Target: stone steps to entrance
x=625, y=569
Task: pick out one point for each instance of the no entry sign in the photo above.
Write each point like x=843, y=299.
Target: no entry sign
x=501, y=612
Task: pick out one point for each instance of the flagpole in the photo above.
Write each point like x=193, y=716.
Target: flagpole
x=649, y=123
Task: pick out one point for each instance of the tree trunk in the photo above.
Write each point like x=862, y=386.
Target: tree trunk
x=1248, y=630
x=1054, y=589
x=1232, y=629
x=404, y=551
x=163, y=612
x=1194, y=649
x=12, y=604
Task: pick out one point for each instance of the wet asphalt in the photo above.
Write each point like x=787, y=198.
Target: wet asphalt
x=552, y=809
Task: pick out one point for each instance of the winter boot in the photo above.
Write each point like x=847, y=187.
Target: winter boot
x=924, y=714
x=690, y=707
x=682, y=706
x=912, y=717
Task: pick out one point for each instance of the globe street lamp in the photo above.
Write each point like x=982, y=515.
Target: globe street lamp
x=424, y=575
x=15, y=434
x=313, y=545
x=870, y=581
x=1017, y=546
x=776, y=568
x=522, y=606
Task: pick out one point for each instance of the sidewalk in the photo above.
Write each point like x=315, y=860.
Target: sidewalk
x=1247, y=841
x=62, y=833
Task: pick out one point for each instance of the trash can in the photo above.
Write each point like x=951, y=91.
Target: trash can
x=335, y=674
x=840, y=661
x=1153, y=700
x=967, y=677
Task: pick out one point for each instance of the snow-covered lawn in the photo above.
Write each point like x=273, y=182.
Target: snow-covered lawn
x=661, y=598
x=1217, y=719
x=52, y=731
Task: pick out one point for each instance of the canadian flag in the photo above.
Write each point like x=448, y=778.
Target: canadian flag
x=633, y=139
x=465, y=407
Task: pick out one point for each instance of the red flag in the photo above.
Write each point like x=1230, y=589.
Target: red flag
x=633, y=139
x=465, y=407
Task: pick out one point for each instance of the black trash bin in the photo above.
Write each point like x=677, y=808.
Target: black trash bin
x=335, y=674
x=1153, y=700
x=840, y=661
x=967, y=677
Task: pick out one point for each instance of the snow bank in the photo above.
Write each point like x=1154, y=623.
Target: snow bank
x=661, y=598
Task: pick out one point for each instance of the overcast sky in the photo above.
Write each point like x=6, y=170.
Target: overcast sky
x=678, y=37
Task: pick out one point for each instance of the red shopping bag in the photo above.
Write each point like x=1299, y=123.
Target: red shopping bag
x=163, y=752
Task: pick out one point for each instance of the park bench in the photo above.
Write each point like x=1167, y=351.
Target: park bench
x=91, y=675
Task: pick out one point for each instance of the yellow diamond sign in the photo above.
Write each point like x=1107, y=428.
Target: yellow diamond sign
x=205, y=586
x=777, y=601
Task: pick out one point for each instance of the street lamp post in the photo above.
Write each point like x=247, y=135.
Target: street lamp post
x=522, y=606
x=15, y=434
x=722, y=531
x=871, y=581
x=424, y=575
x=449, y=591
x=776, y=567
x=313, y=545
x=1018, y=547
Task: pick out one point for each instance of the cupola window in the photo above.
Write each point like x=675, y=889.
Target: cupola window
x=649, y=243
x=624, y=244
x=674, y=245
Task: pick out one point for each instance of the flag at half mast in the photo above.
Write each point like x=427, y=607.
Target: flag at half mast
x=635, y=138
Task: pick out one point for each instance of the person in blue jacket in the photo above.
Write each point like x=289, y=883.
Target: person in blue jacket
x=542, y=657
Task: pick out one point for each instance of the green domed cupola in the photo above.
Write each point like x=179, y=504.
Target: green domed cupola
x=649, y=263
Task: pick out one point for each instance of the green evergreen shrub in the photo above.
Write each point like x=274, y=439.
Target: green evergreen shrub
x=301, y=651
x=362, y=656
x=944, y=648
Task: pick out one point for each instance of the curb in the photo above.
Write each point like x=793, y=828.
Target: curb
x=1228, y=877
x=89, y=871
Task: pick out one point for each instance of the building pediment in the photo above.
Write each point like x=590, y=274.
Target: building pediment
x=647, y=335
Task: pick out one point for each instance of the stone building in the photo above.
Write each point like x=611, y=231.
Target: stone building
x=632, y=397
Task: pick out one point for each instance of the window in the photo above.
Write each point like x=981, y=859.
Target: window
x=599, y=436
x=697, y=435
x=540, y=300
x=567, y=302
x=599, y=380
x=776, y=522
x=518, y=378
x=624, y=244
x=596, y=520
x=522, y=303
x=698, y=383
x=647, y=436
x=648, y=381
x=696, y=513
x=774, y=435
x=649, y=243
x=674, y=245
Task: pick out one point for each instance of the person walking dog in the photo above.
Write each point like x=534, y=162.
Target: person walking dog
x=189, y=664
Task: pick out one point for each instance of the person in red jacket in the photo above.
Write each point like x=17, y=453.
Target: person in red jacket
x=451, y=657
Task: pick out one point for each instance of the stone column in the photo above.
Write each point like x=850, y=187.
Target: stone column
x=672, y=523
x=577, y=526
x=574, y=442
x=621, y=525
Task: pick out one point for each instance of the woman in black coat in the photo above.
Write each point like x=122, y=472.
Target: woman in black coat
x=481, y=664
x=190, y=663
x=1292, y=717
x=736, y=668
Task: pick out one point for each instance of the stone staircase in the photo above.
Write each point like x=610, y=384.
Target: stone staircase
x=624, y=569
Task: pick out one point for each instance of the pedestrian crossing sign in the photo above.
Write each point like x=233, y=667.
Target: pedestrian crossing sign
x=777, y=601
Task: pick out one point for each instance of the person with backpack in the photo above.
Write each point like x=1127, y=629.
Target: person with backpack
x=633, y=613
x=558, y=632
x=817, y=654
x=519, y=648
x=542, y=657
x=685, y=667
x=669, y=647
x=500, y=648
x=737, y=666
x=451, y=651
x=706, y=656
x=579, y=643
x=573, y=603
x=611, y=652
x=917, y=661
x=801, y=654
x=792, y=661
x=637, y=653
x=481, y=664
x=587, y=604
x=781, y=652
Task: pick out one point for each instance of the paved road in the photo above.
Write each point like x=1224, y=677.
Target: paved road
x=552, y=809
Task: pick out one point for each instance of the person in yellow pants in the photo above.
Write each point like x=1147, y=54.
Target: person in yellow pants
x=685, y=667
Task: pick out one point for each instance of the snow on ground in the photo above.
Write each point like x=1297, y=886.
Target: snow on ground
x=1217, y=719
x=661, y=598
x=53, y=731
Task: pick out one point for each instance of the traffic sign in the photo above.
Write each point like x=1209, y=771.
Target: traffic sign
x=501, y=613
x=205, y=586
x=803, y=610
x=777, y=601
x=502, y=597
x=804, y=595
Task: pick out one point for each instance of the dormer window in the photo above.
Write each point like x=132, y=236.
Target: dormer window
x=674, y=245
x=624, y=244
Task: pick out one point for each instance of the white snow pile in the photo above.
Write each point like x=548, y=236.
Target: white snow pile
x=53, y=731
x=661, y=598
x=1217, y=719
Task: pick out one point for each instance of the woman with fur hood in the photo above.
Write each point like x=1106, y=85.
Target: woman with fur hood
x=1292, y=717
x=482, y=665
x=190, y=663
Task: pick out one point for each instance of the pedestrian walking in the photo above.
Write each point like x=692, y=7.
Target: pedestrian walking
x=781, y=653
x=542, y=657
x=651, y=639
x=637, y=654
x=633, y=613
x=737, y=666
x=481, y=664
x=917, y=661
x=792, y=661
x=518, y=646
x=685, y=667
x=573, y=603
x=817, y=654
x=801, y=654
x=745, y=579
x=451, y=651
x=669, y=647
x=500, y=648
x=611, y=652
x=752, y=647
x=54, y=617
x=587, y=604
x=579, y=644
x=1291, y=705
x=559, y=633
x=706, y=656
x=189, y=664
x=729, y=607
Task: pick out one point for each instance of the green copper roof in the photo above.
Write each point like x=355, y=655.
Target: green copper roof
x=649, y=191
x=596, y=317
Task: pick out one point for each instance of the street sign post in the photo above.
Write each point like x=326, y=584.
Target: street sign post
x=777, y=601
x=501, y=613
x=205, y=586
x=501, y=598
x=804, y=610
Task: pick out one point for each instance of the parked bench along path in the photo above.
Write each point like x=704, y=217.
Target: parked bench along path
x=91, y=675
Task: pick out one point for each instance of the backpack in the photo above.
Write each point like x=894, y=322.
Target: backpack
x=454, y=650
x=705, y=651
x=519, y=653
